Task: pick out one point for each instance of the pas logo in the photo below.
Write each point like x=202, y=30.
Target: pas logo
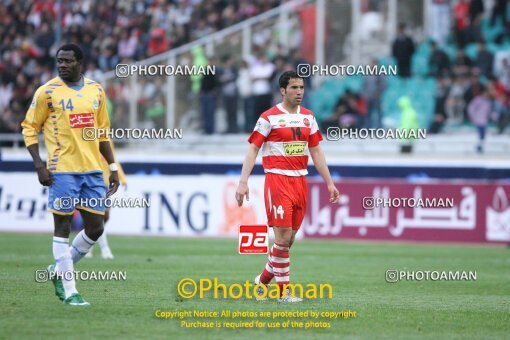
x=253, y=239
x=95, y=104
x=306, y=122
x=32, y=105
x=282, y=122
x=81, y=120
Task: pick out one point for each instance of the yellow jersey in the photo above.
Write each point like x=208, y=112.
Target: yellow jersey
x=63, y=113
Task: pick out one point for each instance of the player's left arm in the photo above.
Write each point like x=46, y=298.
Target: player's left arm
x=103, y=123
x=319, y=160
x=122, y=175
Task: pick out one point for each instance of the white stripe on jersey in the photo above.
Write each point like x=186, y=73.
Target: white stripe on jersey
x=286, y=119
x=293, y=173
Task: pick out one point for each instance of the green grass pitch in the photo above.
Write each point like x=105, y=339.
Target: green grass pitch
x=126, y=309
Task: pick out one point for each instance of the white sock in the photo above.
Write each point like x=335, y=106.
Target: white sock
x=103, y=241
x=81, y=246
x=64, y=260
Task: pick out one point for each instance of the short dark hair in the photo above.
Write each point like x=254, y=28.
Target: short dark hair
x=286, y=76
x=78, y=53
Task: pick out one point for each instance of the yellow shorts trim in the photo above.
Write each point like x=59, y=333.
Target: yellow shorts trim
x=97, y=212
x=62, y=213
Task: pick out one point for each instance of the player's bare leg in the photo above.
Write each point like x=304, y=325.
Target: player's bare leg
x=65, y=285
x=292, y=238
x=93, y=224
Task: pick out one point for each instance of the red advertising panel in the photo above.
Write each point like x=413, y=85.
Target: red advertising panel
x=449, y=211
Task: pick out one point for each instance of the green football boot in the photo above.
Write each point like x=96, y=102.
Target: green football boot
x=76, y=300
x=57, y=282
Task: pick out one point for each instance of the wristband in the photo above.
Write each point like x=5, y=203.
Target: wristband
x=113, y=167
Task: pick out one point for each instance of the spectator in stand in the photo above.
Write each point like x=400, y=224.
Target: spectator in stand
x=502, y=110
x=408, y=121
x=461, y=12
x=499, y=10
x=261, y=71
x=244, y=86
x=476, y=10
x=346, y=113
x=500, y=103
x=158, y=42
x=208, y=97
x=360, y=105
x=442, y=92
x=99, y=28
x=484, y=60
x=462, y=64
x=455, y=104
x=479, y=111
x=439, y=17
x=402, y=51
x=229, y=94
x=127, y=44
x=373, y=88
x=45, y=38
x=108, y=59
x=474, y=89
x=439, y=63
x=503, y=73
x=6, y=93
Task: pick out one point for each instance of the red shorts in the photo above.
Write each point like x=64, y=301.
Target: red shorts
x=285, y=198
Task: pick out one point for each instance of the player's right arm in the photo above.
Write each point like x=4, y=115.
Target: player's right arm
x=34, y=120
x=257, y=138
x=249, y=163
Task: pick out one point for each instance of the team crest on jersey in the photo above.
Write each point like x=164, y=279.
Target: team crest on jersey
x=79, y=95
x=282, y=122
x=306, y=122
x=81, y=120
x=95, y=104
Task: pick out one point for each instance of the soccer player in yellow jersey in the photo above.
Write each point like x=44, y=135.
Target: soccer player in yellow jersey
x=63, y=108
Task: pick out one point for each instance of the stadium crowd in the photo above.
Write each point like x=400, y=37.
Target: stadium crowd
x=111, y=32
x=475, y=90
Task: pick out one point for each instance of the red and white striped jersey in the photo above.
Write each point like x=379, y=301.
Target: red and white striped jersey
x=286, y=138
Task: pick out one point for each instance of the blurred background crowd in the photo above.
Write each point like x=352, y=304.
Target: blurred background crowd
x=462, y=61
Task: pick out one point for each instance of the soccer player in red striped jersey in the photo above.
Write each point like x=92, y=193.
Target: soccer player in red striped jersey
x=286, y=132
